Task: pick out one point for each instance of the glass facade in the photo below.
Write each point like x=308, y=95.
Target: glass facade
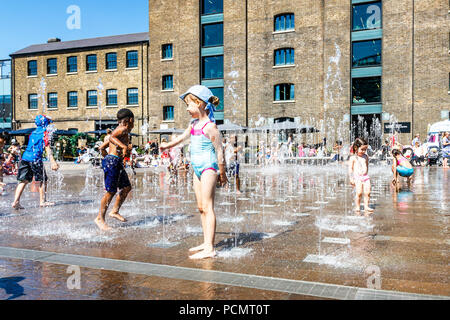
x=284, y=56
x=91, y=62
x=212, y=67
x=32, y=101
x=167, y=82
x=72, y=64
x=52, y=66
x=132, y=96
x=167, y=51
x=284, y=22
x=212, y=6
x=111, y=61
x=132, y=59
x=92, y=98
x=366, y=90
x=72, y=98
x=168, y=113
x=366, y=16
x=218, y=92
x=5, y=94
x=284, y=92
x=32, y=68
x=111, y=97
x=52, y=100
x=212, y=35
x=366, y=53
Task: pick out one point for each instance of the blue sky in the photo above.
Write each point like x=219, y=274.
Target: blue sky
x=27, y=22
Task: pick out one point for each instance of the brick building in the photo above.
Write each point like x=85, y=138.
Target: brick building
x=84, y=82
x=332, y=63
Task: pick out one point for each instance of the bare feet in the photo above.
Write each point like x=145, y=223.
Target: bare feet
x=197, y=248
x=117, y=216
x=203, y=255
x=17, y=206
x=368, y=211
x=47, y=204
x=101, y=224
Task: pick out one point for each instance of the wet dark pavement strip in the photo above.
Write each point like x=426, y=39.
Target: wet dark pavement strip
x=315, y=289
x=407, y=237
x=25, y=279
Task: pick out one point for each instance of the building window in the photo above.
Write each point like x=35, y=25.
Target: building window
x=32, y=101
x=111, y=61
x=212, y=67
x=284, y=22
x=366, y=16
x=91, y=62
x=72, y=98
x=284, y=92
x=167, y=82
x=284, y=57
x=92, y=98
x=52, y=67
x=218, y=92
x=132, y=96
x=212, y=6
x=111, y=97
x=168, y=113
x=212, y=35
x=52, y=100
x=132, y=59
x=32, y=68
x=366, y=90
x=366, y=53
x=167, y=52
x=72, y=64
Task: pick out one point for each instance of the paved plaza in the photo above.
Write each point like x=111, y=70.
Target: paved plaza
x=292, y=234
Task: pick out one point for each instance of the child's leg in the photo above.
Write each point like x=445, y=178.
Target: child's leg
x=19, y=190
x=123, y=193
x=104, y=204
x=358, y=194
x=198, y=196
x=366, y=186
x=208, y=188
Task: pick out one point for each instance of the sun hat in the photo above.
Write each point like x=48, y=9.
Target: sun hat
x=204, y=94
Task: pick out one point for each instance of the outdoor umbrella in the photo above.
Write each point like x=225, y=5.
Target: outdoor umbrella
x=230, y=127
x=166, y=131
x=287, y=125
x=65, y=132
x=22, y=132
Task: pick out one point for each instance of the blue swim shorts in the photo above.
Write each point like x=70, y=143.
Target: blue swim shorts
x=405, y=172
x=115, y=175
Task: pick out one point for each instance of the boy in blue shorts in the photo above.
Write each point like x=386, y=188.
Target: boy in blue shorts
x=32, y=166
x=115, y=174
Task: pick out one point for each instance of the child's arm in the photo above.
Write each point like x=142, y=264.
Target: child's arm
x=54, y=165
x=216, y=139
x=102, y=148
x=177, y=141
x=114, y=138
x=351, y=164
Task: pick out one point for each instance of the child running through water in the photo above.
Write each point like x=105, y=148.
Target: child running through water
x=32, y=166
x=115, y=175
x=401, y=167
x=359, y=178
x=206, y=159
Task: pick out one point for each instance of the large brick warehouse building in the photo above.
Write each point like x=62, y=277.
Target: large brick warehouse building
x=333, y=62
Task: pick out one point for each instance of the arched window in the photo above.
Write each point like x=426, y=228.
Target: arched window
x=284, y=92
x=283, y=22
x=284, y=56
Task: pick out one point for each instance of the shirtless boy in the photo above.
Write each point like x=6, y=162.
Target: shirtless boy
x=116, y=177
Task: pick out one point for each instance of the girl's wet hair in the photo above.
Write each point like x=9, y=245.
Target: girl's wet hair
x=359, y=142
x=396, y=152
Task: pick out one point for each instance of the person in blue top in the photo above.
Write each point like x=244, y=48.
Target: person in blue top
x=207, y=160
x=32, y=166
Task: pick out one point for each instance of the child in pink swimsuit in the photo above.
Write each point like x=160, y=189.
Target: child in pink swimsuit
x=359, y=178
